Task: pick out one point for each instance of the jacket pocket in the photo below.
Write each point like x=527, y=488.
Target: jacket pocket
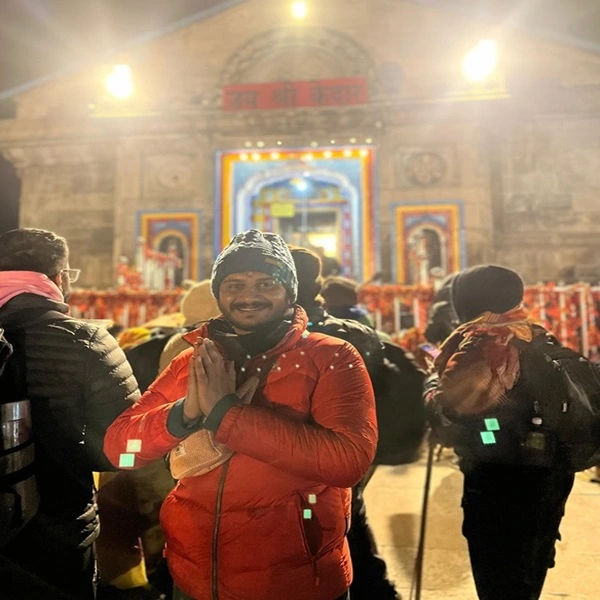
x=322, y=526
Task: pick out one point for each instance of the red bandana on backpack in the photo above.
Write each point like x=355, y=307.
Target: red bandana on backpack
x=478, y=365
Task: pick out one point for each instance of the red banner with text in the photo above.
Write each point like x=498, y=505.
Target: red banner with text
x=295, y=94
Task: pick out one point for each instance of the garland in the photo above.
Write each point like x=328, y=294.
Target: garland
x=569, y=312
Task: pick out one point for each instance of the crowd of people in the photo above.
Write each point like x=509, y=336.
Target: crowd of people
x=233, y=449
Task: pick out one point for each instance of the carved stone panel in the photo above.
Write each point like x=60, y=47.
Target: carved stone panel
x=170, y=174
x=426, y=167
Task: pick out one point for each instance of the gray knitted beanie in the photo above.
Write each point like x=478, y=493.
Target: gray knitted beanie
x=260, y=252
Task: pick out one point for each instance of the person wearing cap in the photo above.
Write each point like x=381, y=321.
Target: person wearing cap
x=514, y=495
x=296, y=410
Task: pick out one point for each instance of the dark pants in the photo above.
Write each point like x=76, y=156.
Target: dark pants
x=511, y=520
x=370, y=572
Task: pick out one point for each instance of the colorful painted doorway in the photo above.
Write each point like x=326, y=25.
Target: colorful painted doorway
x=318, y=198
x=427, y=239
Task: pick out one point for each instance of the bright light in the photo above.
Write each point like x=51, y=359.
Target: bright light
x=244, y=156
x=300, y=185
x=260, y=144
x=364, y=153
x=118, y=82
x=479, y=62
x=299, y=10
x=274, y=155
x=308, y=156
x=369, y=140
x=255, y=156
x=328, y=154
x=347, y=153
x=353, y=140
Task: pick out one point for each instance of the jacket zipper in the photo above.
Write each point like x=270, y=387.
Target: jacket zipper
x=215, y=565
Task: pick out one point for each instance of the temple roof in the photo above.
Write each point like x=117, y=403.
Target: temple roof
x=41, y=40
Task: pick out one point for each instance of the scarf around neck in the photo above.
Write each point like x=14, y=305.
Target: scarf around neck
x=15, y=283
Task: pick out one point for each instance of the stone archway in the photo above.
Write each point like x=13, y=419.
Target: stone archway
x=307, y=52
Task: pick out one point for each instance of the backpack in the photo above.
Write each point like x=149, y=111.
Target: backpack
x=19, y=498
x=552, y=415
x=401, y=415
x=565, y=387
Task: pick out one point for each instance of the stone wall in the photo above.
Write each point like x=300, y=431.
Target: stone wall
x=522, y=154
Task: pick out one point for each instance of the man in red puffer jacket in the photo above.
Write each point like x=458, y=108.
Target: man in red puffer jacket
x=271, y=521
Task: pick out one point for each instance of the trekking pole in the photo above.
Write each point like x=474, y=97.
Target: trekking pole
x=418, y=572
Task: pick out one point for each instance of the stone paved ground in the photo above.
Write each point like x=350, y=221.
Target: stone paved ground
x=394, y=498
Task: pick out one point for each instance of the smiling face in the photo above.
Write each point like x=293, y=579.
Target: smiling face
x=249, y=300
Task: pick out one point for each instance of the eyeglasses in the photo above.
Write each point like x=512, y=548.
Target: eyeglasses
x=72, y=274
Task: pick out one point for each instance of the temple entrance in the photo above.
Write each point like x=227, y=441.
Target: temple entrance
x=309, y=213
x=320, y=198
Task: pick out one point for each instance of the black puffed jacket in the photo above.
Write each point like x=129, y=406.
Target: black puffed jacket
x=78, y=381
x=363, y=338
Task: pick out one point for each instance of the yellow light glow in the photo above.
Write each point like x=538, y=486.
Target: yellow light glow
x=244, y=156
x=328, y=154
x=364, y=153
x=369, y=140
x=308, y=156
x=327, y=241
x=260, y=144
x=274, y=155
x=255, y=156
x=480, y=62
x=299, y=10
x=118, y=82
x=347, y=153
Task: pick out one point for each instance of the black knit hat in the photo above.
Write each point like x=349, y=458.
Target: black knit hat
x=253, y=250
x=486, y=288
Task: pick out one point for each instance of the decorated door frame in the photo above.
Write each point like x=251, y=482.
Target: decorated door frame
x=183, y=225
x=241, y=174
x=410, y=221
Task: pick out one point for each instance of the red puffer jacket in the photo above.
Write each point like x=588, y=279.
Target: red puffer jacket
x=244, y=531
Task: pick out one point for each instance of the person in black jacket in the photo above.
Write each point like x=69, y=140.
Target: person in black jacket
x=370, y=571
x=485, y=402
x=78, y=381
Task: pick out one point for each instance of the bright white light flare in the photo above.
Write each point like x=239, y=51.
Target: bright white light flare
x=480, y=62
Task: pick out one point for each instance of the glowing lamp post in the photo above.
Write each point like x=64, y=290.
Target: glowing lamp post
x=118, y=82
x=481, y=61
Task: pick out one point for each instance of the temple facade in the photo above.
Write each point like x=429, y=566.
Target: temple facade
x=353, y=131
